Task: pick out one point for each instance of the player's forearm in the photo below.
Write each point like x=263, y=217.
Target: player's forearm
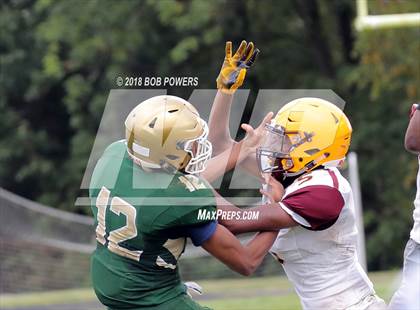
x=242, y=259
x=226, y=207
x=257, y=248
x=230, y=224
x=270, y=217
x=412, y=135
x=250, y=165
x=219, y=133
x=225, y=161
x=239, y=226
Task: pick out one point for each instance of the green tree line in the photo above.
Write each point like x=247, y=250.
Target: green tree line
x=59, y=59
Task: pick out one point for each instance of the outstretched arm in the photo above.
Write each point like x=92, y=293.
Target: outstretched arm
x=219, y=132
x=270, y=216
x=231, y=77
x=236, y=152
x=412, y=135
x=225, y=161
x=242, y=259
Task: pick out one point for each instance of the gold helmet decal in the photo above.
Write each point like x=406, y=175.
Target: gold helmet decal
x=305, y=133
x=167, y=132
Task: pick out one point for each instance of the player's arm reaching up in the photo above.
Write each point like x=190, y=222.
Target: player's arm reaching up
x=237, y=152
x=412, y=135
x=231, y=77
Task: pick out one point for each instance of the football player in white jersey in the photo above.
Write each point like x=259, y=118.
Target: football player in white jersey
x=408, y=294
x=300, y=150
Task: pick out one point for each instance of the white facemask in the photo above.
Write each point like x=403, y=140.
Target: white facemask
x=198, y=160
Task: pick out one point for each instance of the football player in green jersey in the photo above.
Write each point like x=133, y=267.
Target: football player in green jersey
x=146, y=196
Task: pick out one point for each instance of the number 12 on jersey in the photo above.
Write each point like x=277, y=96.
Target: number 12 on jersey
x=127, y=232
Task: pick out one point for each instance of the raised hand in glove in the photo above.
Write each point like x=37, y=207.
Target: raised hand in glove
x=232, y=74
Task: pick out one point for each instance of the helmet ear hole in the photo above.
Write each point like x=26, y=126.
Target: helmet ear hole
x=310, y=152
x=186, y=161
x=153, y=122
x=335, y=117
x=172, y=157
x=300, y=159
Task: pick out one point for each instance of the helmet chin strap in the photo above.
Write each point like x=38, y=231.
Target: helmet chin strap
x=293, y=174
x=168, y=167
x=143, y=164
x=334, y=163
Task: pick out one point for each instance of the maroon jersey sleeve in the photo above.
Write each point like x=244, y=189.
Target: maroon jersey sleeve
x=319, y=205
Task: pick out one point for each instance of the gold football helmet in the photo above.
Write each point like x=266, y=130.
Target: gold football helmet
x=305, y=133
x=166, y=132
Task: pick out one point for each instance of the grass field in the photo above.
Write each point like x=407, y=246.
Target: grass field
x=276, y=292
x=245, y=294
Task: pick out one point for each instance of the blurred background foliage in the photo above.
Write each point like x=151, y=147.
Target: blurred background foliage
x=59, y=59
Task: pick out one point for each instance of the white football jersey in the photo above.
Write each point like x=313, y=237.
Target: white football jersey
x=319, y=256
x=415, y=232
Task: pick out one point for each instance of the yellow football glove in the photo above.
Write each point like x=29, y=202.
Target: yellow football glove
x=233, y=71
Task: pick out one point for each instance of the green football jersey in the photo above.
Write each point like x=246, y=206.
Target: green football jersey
x=137, y=215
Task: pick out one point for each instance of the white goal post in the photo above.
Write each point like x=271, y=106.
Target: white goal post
x=364, y=21
x=353, y=178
